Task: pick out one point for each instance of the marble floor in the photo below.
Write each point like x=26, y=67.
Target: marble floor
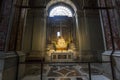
x=62, y=72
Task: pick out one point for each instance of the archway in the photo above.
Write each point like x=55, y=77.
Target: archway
x=61, y=30
x=60, y=11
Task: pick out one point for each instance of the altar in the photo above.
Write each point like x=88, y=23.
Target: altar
x=62, y=57
x=61, y=51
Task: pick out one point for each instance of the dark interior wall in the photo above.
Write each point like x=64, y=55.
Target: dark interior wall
x=82, y=32
x=117, y=11
x=1, y=5
x=95, y=33
x=34, y=36
x=17, y=21
x=39, y=30
x=34, y=28
x=5, y=16
x=38, y=2
x=27, y=38
x=90, y=32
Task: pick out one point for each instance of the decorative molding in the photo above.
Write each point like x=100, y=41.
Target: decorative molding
x=108, y=53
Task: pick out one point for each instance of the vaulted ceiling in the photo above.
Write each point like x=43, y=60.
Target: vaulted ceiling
x=78, y=3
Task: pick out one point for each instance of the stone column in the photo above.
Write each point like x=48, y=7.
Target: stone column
x=4, y=22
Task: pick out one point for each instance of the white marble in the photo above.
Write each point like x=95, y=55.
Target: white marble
x=99, y=77
x=107, y=69
x=107, y=52
x=116, y=54
x=117, y=67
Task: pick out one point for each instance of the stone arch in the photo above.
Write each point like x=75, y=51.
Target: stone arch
x=68, y=2
x=60, y=11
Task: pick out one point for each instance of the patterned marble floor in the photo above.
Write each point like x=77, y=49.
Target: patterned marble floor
x=63, y=72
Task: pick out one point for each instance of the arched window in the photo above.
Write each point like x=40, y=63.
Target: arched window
x=60, y=11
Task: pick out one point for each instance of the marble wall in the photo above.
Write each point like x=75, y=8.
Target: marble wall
x=34, y=34
x=17, y=26
x=109, y=20
x=10, y=68
x=8, y=60
x=107, y=66
x=4, y=22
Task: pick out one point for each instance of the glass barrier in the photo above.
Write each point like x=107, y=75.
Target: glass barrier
x=67, y=71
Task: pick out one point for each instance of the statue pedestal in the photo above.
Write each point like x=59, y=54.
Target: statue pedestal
x=62, y=57
x=61, y=49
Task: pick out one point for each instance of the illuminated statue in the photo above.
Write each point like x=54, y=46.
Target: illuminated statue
x=61, y=44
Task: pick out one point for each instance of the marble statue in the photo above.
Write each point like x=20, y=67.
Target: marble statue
x=61, y=44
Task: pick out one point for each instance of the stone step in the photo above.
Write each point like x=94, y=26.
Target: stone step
x=99, y=77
